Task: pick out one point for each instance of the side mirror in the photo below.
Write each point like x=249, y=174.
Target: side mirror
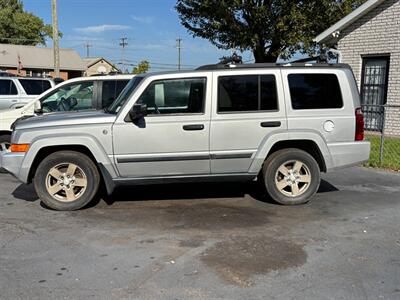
x=138, y=111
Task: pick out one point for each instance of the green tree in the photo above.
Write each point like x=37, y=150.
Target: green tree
x=269, y=28
x=142, y=67
x=20, y=27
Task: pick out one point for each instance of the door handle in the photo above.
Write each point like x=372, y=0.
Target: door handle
x=271, y=124
x=193, y=127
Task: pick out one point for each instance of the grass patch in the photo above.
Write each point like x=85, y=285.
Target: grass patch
x=391, y=153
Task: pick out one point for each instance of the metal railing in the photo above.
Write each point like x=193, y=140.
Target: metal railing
x=382, y=129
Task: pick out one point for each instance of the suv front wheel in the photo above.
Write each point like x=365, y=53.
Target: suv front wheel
x=66, y=180
x=291, y=176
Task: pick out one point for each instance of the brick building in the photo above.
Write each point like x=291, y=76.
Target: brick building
x=37, y=61
x=368, y=40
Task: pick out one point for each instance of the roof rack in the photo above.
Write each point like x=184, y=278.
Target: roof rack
x=270, y=65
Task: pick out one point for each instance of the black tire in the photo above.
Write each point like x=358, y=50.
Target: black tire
x=67, y=157
x=5, y=138
x=270, y=171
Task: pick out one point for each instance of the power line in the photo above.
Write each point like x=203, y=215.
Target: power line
x=179, y=47
x=123, y=44
x=88, y=46
x=56, y=44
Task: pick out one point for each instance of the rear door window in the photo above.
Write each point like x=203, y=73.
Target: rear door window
x=111, y=90
x=7, y=87
x=315, y=91
x=247, y=93
x=35, y=87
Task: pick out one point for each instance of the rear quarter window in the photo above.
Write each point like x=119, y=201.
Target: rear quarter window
x=315, y=91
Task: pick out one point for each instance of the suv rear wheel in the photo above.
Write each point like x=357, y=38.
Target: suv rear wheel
x=291, y=176
x=67, y=180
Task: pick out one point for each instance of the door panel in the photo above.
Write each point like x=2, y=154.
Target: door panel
x=317, y=98
x=245, y=111
x=174, y=138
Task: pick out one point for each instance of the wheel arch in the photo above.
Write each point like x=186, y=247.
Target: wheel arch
x=310, y=141
x=44, y=146
x=5, y=132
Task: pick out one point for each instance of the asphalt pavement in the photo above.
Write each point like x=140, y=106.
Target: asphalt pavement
x=206, y=241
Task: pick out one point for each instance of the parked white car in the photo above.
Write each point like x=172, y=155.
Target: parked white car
x=17, y=91
x=73, y=95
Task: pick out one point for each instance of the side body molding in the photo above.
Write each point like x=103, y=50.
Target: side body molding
x=270, y=140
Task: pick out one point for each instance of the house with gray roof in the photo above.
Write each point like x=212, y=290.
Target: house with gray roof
x=38, y=61
x=368, y=39
x=98, y=65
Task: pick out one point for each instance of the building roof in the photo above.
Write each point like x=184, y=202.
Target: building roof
x=39, y=58
x=90, y=61
x=331, y=34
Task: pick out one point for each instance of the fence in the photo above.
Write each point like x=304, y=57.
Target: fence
x=382, y=129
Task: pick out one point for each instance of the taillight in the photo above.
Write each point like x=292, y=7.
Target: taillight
x=359, y=125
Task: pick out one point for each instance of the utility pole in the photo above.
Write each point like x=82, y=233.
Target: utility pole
x=179, y=47
x=88, y=46
x=56, y=47
x=123, y=44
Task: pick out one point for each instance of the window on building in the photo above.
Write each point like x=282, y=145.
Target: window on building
x=175, y=96
x=374, y=80
x=7, y=87
x=247, y=93
x=111, y=90
x=35, y=86
x=315, y=91
x=374, y=85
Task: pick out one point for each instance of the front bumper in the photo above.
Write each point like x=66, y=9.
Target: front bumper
x=11, y=162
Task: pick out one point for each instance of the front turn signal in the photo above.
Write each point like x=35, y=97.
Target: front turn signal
x=19, y=147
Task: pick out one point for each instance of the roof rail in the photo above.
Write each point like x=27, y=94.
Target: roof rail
x=269, y=65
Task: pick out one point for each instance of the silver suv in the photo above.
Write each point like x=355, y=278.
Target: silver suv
x=279, y=124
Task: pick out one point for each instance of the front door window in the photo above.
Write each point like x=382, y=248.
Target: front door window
x=71, y=97
x=181, y=96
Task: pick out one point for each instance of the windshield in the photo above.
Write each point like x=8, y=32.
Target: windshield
x=124, y=96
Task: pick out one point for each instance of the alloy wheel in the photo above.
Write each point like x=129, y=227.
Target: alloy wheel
x=293, y=178
x=66, y=182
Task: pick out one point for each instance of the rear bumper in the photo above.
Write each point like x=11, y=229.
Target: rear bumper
x=11, y=162
x=348, y=154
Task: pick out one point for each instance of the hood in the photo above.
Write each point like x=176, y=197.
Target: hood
x=66, y=119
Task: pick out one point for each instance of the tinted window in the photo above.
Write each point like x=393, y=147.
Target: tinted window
x=247, y=93
x=125, y=95
x=7, y=87
x=75, y=96
x=111, y=90
x=175, y=96
x=35, y=87
x=315, y=91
